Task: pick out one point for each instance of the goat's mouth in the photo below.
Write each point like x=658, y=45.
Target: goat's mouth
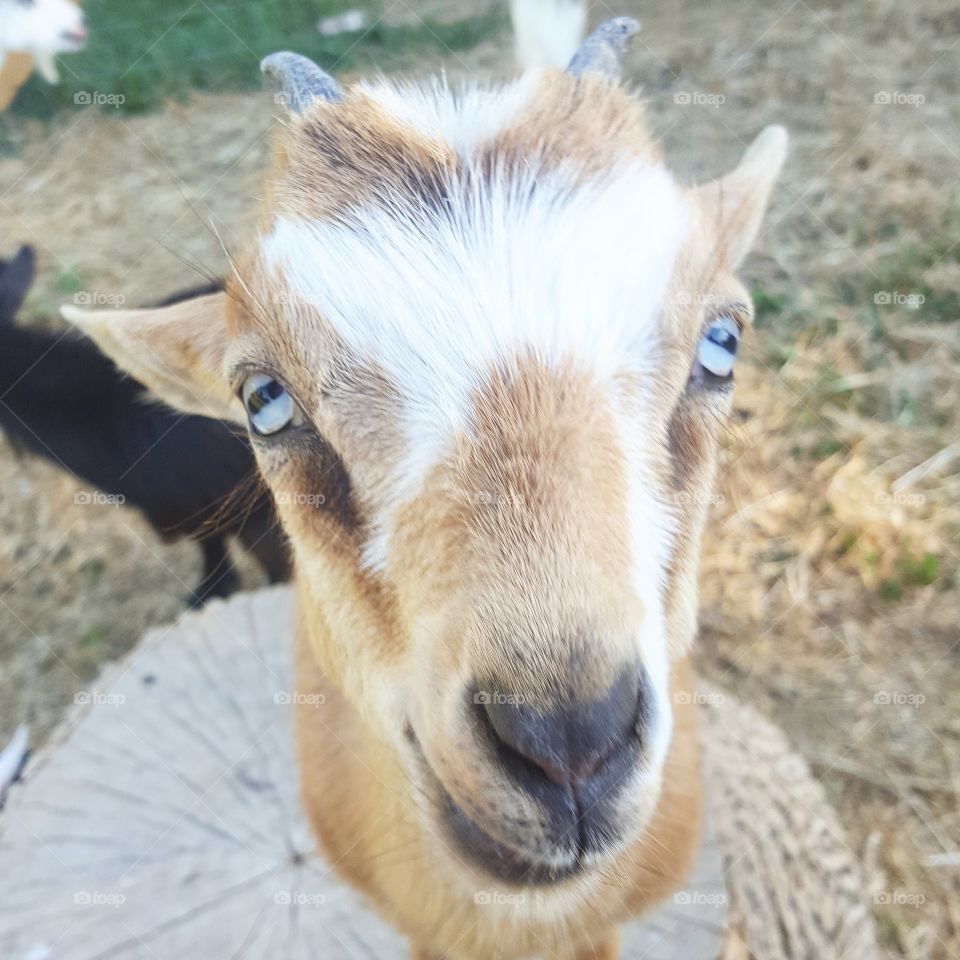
x=501, y=861
x=472, y=844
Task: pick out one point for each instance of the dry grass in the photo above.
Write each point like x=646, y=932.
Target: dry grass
x=830, y=576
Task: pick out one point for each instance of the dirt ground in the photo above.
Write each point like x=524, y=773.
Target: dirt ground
x=830, y=592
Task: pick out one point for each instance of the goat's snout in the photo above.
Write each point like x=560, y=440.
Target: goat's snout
x=572, y=757
x=571, y=744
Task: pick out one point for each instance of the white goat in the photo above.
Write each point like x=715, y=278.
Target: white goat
x=547, y=33
x=43, y=29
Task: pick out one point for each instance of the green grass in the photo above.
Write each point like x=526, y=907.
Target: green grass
x=94, y=637
x=767, y=305
x=912, y=572
x=142, y=53
x=906, y=275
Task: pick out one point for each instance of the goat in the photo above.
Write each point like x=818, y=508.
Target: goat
x=42, y=28
x=484, y=345
x=63, y=400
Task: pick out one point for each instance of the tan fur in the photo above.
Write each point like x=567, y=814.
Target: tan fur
x=178, y=350
x=607, y=949
x=14, y=73
x=359, y=801
x=340, y=155
x=528, y=499
x=575, y=120
x=511, y=564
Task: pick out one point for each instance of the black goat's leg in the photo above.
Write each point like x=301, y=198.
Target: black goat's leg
x=219, y=576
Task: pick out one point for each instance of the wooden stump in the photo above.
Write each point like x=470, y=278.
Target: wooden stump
x=163, y=820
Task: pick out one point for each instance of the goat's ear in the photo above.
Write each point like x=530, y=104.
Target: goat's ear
x=176, y=351
x=738, y=201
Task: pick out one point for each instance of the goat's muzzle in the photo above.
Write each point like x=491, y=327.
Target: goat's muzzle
x=571, y=762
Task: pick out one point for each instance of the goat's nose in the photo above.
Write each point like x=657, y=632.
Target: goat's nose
x=572, y=743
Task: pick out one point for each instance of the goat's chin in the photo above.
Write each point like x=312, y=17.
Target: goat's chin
x=476, y=860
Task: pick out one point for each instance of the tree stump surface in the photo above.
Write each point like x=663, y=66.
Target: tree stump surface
x=163, y=820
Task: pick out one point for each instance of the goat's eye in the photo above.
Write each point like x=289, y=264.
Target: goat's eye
x=269, y=406
x=718, y=349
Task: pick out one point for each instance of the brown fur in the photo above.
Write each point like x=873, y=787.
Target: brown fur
x=340, y=155
x=577, y=119
x=358, y=798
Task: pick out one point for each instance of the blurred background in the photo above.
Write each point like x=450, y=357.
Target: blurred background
x=830, y=578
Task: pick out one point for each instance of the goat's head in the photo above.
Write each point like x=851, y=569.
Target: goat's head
x=41, y=26
x=484, y=343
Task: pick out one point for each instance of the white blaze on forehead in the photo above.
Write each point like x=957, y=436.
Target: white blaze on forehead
x=436, y=295
x=461, y=118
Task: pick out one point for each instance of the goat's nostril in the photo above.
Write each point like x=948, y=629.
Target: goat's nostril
x=570, y=744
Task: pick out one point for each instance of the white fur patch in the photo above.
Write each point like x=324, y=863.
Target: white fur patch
x=435, y=296
x=652, y=526
x=461, y=117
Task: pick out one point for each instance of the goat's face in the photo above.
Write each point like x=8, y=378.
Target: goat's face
x=41, y=26
x=484, y=343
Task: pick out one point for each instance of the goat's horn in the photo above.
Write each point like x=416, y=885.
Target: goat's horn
x=603, y=50
x=301, y=79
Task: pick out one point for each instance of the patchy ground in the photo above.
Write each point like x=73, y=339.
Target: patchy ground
x=830, y=591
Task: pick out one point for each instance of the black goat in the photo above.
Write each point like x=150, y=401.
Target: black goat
x=62, y=399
